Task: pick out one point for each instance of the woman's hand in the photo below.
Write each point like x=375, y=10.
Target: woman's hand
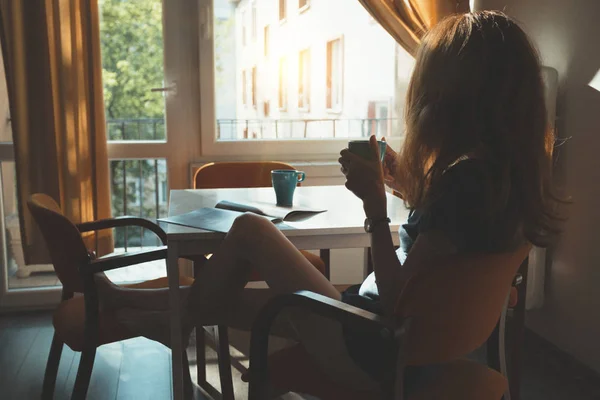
x=364, y=178
x=389, y=167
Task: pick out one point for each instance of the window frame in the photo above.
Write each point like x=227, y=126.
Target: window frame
x=330, y=107
x=304, y=80
x=303, y=8
x=253, y=85
x=214, y=149
x=283, y=84
x=282, y=15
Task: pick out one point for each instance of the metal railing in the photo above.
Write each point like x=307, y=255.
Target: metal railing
x=136, y=129
x=138, y=188
x=302, y=128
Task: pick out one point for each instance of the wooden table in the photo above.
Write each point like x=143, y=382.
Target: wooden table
x=340, y=227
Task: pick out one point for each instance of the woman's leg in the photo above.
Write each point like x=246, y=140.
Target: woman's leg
x=252, y=243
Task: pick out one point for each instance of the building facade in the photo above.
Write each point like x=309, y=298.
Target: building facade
x=310, y=69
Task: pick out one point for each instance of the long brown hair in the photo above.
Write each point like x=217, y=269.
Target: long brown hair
x=477, y=89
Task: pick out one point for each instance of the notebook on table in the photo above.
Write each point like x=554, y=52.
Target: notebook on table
x=221, y=217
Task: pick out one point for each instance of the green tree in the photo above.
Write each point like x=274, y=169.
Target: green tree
x=132, y=58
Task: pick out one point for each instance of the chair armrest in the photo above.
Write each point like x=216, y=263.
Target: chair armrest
x=390, y=329
x=121, y=222
x=124, y=260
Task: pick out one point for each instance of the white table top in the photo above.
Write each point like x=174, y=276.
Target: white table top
x=344, y=213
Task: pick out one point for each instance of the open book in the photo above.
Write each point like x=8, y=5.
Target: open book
x=270, y=210
x=221, y=218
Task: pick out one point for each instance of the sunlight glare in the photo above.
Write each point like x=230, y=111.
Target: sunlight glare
x=595, y=82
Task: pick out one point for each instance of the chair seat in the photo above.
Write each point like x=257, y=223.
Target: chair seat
x=69, y=318
x=292, y=369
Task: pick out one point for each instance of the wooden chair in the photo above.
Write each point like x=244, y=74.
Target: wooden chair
x=78, y=321
x=224, y=175
x=442, y=315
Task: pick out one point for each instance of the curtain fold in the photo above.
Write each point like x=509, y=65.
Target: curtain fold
x=408, y=20
x=53, y=67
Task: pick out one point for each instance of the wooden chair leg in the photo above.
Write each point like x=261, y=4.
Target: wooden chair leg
x=84, y=373
x=224, y=360
x=188, y=385
x=52, y=368
x=201, y=355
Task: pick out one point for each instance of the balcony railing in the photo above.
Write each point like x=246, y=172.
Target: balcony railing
x=302, y=128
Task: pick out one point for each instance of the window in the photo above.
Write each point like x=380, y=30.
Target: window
x=304, y=80
x=335, y=75
x=244, y=88
x=312, y=77
x=243, y=18
x=282, y=10
x=303, y=4
x=283, y=82
x=266, y=41
x=253, y=87
x=254, y=22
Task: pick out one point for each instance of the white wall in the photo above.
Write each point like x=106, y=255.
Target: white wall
x=566, y=33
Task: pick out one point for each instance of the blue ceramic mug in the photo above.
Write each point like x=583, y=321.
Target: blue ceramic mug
x=285, y=182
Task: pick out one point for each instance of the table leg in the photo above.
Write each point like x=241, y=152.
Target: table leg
x=326, y=257
x=176, y=339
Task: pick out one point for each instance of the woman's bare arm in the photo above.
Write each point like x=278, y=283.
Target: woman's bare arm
x=391, y=275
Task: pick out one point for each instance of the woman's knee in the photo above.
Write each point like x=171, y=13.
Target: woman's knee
x=248, y=225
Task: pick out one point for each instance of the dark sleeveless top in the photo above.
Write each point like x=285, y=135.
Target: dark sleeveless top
x=455, y=208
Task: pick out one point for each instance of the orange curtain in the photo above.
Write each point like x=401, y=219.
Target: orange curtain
x=53, y=68
x=408, y=20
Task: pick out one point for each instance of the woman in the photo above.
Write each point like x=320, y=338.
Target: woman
x=475, y=169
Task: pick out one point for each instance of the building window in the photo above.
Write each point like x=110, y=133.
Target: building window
x=266, y=40
x=303, y=4
x=304, y=80
x=283, y=84
x=254, y=22
x=282, y=9
x=253, y=87
x=335, y=75
x=244, y=92
x=243, y=17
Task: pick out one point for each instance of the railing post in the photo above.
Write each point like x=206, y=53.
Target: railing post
x=123, y=129
x=141, y=193
x=125, y=200
x=156, y=198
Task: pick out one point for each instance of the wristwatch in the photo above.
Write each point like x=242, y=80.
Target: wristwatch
x=371, y=223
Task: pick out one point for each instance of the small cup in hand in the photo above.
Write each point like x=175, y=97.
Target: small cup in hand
x=362, y=148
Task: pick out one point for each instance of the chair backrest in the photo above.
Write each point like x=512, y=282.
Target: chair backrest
x=225, y=175
x=63, y=239
x=456, y=305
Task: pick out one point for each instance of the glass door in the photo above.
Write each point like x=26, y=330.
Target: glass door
x=141, y=59
x=151, y=128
